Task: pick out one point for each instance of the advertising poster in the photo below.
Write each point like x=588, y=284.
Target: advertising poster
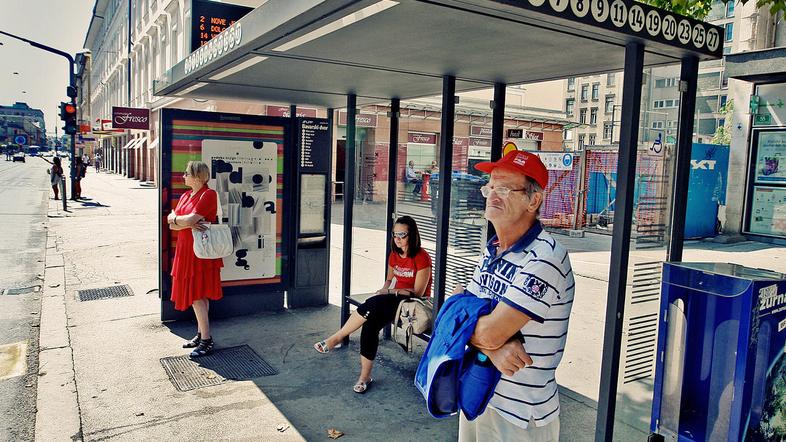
x=771, y=157
x=246, y=171
x=768, y=211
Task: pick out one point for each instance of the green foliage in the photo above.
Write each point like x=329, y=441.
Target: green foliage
x=700, y=8
x=723, y=133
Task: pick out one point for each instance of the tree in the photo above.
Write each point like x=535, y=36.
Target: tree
x=723, y=133
x=700, y=8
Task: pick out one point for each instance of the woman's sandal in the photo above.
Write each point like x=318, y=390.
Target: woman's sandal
x=204, y=348
x=362, y=387
x=194, y=342
x=321, y=347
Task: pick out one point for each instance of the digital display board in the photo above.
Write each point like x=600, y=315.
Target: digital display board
x=209, y=18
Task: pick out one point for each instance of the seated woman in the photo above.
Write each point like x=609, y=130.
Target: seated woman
x=409, y=274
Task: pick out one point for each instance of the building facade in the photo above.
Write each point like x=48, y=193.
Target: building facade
x=20, y=120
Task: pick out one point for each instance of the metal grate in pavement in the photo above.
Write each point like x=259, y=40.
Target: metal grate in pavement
x=20, y=291
x=226, y=364
x=115, y=291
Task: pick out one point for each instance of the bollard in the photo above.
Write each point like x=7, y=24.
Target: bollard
x=63, y=193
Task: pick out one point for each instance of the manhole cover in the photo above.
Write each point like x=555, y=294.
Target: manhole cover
x=226, y=364
x=116, y=291
x=21, y=291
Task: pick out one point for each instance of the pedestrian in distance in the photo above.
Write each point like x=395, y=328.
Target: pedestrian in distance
x=80, y=170
x=408, y=275
x=411, y=177
x=528, y=276
x=195, y=281
x=98, y=162
x=55, y=175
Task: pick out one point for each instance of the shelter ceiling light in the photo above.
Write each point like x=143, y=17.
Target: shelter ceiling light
x=190, y=89
x=239, y=67
x=343, y=22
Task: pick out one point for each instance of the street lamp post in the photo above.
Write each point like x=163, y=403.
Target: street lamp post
x=72, y=87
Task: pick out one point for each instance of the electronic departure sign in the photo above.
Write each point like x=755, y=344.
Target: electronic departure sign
x=209, y=18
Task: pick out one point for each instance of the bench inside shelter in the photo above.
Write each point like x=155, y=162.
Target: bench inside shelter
x=360, y=298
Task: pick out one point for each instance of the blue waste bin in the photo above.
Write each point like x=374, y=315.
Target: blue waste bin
x=721, y=366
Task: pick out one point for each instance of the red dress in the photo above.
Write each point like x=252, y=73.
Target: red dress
x=195, y=278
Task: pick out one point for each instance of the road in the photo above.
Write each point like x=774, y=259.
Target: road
x=24, y=194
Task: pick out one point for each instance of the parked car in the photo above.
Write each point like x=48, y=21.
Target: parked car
x=19, y=156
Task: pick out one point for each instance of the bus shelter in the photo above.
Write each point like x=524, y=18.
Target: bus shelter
x=344, y=54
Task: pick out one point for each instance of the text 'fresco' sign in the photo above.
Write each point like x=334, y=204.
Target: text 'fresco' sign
x=130, y=118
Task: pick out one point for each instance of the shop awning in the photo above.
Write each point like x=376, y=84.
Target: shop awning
x=317, y=51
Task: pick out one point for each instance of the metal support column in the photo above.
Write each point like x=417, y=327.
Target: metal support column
x=445, y=175
x=497, y=129
x=349, y=200
x=395, y=110
x=292, y=111
x=620, y=242
x=688, y=78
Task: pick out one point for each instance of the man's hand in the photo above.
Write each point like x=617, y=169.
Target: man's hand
x=509, y=358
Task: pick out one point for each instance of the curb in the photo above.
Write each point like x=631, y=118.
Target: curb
x=57, y=403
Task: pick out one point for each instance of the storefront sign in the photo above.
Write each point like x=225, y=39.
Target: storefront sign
x=480, y=142
x=771, y=157
x=361, y=120
x=480, y=131
x=421, y=138
x=130, y=118
x=768, y=211
x=515, y=133
x=556, y=160
x=535, y=136
x=462, y=142
x=283, y=111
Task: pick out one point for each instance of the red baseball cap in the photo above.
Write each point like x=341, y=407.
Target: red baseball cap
x=522, y=162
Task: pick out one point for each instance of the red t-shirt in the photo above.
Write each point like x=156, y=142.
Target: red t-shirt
x=405, y=269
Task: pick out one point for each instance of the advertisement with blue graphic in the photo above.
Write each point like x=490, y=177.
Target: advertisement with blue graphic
x=707, y=189
x=721, y=370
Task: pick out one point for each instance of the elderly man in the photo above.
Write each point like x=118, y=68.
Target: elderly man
x=528, y=276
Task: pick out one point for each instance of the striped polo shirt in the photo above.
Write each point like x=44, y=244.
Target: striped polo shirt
x=533, y=276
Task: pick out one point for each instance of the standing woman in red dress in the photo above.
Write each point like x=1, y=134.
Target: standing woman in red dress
x=195, y=281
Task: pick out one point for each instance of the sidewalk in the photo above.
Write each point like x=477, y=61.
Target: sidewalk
x=119, y=389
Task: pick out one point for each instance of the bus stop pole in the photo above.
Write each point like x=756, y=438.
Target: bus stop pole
x=395, y=110
x=620, y=242
x=497, y=129
x=349, y=199
x=688, y=84
x=445, y=175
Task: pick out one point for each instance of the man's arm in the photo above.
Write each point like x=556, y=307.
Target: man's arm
x=494, y=335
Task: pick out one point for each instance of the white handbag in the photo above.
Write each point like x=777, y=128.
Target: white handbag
x=215, y=241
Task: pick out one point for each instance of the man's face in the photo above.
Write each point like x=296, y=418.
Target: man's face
x=517, y=205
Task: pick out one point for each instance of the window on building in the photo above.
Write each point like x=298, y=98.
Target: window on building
x=567, y=135
x=660, y=83
x=581, y=141
x=610, y=79
x=583, y=116
x=657, y=124
x=730, y=9
x=724, y=80
x=594, y=116
x=591, y=140
x=607, y=130
x=569, y=103
x=721, y=122
x=729, y=31
x=571, y=84
x=584, y=92
x=722, y=100
x=609, y=107
x=596, y=91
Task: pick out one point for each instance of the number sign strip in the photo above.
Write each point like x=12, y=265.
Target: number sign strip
x=631, y=18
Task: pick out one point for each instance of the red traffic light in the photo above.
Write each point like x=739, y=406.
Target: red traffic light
x=69, y=109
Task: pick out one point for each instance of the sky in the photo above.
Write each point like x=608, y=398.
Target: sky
x=42, y=76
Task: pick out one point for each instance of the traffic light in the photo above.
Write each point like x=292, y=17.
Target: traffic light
x=68, y=115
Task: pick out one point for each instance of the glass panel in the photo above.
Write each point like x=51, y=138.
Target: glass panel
x=369, y=222
x=652, y=205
